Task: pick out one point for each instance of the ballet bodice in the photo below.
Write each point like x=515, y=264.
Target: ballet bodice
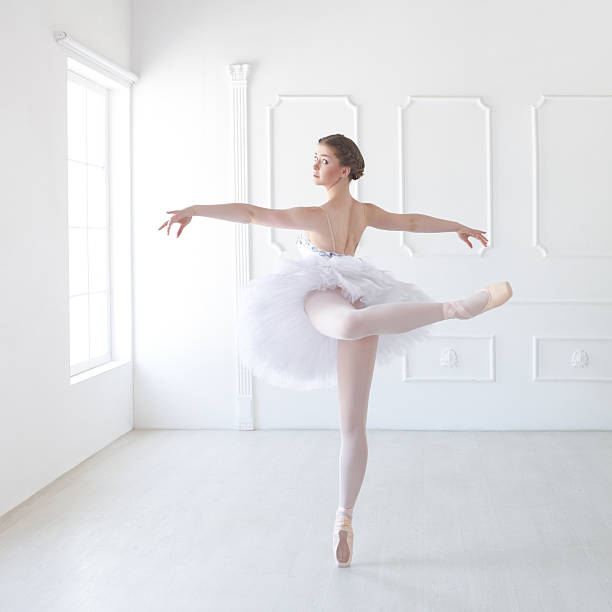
x=307, y=249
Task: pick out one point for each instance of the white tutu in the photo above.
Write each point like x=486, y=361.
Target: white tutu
x=276, y=339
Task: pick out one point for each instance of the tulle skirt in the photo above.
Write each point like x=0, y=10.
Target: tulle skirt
x=275, y=337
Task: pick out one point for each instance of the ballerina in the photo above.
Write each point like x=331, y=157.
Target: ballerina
x=325, y=320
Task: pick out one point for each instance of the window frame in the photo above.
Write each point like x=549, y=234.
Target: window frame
x=90, y=363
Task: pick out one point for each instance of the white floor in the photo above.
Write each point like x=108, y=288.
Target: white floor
x=221, y=520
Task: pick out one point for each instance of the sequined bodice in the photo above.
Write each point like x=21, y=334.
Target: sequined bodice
x=306, y=247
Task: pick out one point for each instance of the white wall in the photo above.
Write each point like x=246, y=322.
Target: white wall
x=508, y=54
x=378, y=54
x=47, y=425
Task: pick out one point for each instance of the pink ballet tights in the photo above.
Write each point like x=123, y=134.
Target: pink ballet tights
x=355, y=369
x=357, y=331
x=333, y=315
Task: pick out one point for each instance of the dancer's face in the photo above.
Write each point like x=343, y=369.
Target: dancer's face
x=326, y=168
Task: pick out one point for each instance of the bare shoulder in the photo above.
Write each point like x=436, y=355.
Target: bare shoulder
x=296, y=217
x=383, y=219
x=374, y=214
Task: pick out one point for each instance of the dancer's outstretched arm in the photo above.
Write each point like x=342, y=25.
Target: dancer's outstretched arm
x=415, y=222
x=310, y=218
x=297, y=217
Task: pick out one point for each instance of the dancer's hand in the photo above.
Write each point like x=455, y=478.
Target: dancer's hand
x=464, y=232
x=181, y=216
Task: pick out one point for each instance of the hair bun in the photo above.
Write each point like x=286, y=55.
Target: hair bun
x=348, y=153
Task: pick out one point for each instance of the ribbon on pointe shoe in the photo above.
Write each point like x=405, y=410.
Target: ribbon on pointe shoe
x=343, y=522
x=467, y=307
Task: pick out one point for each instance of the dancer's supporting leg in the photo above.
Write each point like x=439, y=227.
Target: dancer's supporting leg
x=356, y=360
x=333, y=315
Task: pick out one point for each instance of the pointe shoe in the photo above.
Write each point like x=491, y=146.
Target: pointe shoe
x=343, y=540
x=499, y=293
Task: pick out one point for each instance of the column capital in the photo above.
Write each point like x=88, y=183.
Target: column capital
x=238, y=72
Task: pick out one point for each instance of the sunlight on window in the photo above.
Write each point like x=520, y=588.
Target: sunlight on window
x=87, y=133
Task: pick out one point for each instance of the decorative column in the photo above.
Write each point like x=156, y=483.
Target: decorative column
x=238, y=74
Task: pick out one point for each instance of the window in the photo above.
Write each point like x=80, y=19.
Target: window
x=88, y=223
x=99, y=211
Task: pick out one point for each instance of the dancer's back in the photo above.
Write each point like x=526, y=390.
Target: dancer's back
x=344, y=229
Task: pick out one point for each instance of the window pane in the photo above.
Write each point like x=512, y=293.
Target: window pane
x=98, y=320
x=96, y=128
x=98, y=259
x=77, y=259
x=77, y=194
x=87, y=108
x=79, y=340
x=96, y=190
x=76, y=121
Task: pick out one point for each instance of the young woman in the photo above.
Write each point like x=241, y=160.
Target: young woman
x=324, y=320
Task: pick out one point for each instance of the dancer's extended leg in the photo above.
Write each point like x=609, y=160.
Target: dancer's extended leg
x=356, y=360
x=333, y=315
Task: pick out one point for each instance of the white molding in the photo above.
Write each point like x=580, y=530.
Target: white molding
x=271, y=198
x=95, y=59
x=535, y=359
x=536, y=164
x=535, y=173
x=558, y=301
x=280, y=249
x=239, y=133
x=402, y=196
x=451, y=338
